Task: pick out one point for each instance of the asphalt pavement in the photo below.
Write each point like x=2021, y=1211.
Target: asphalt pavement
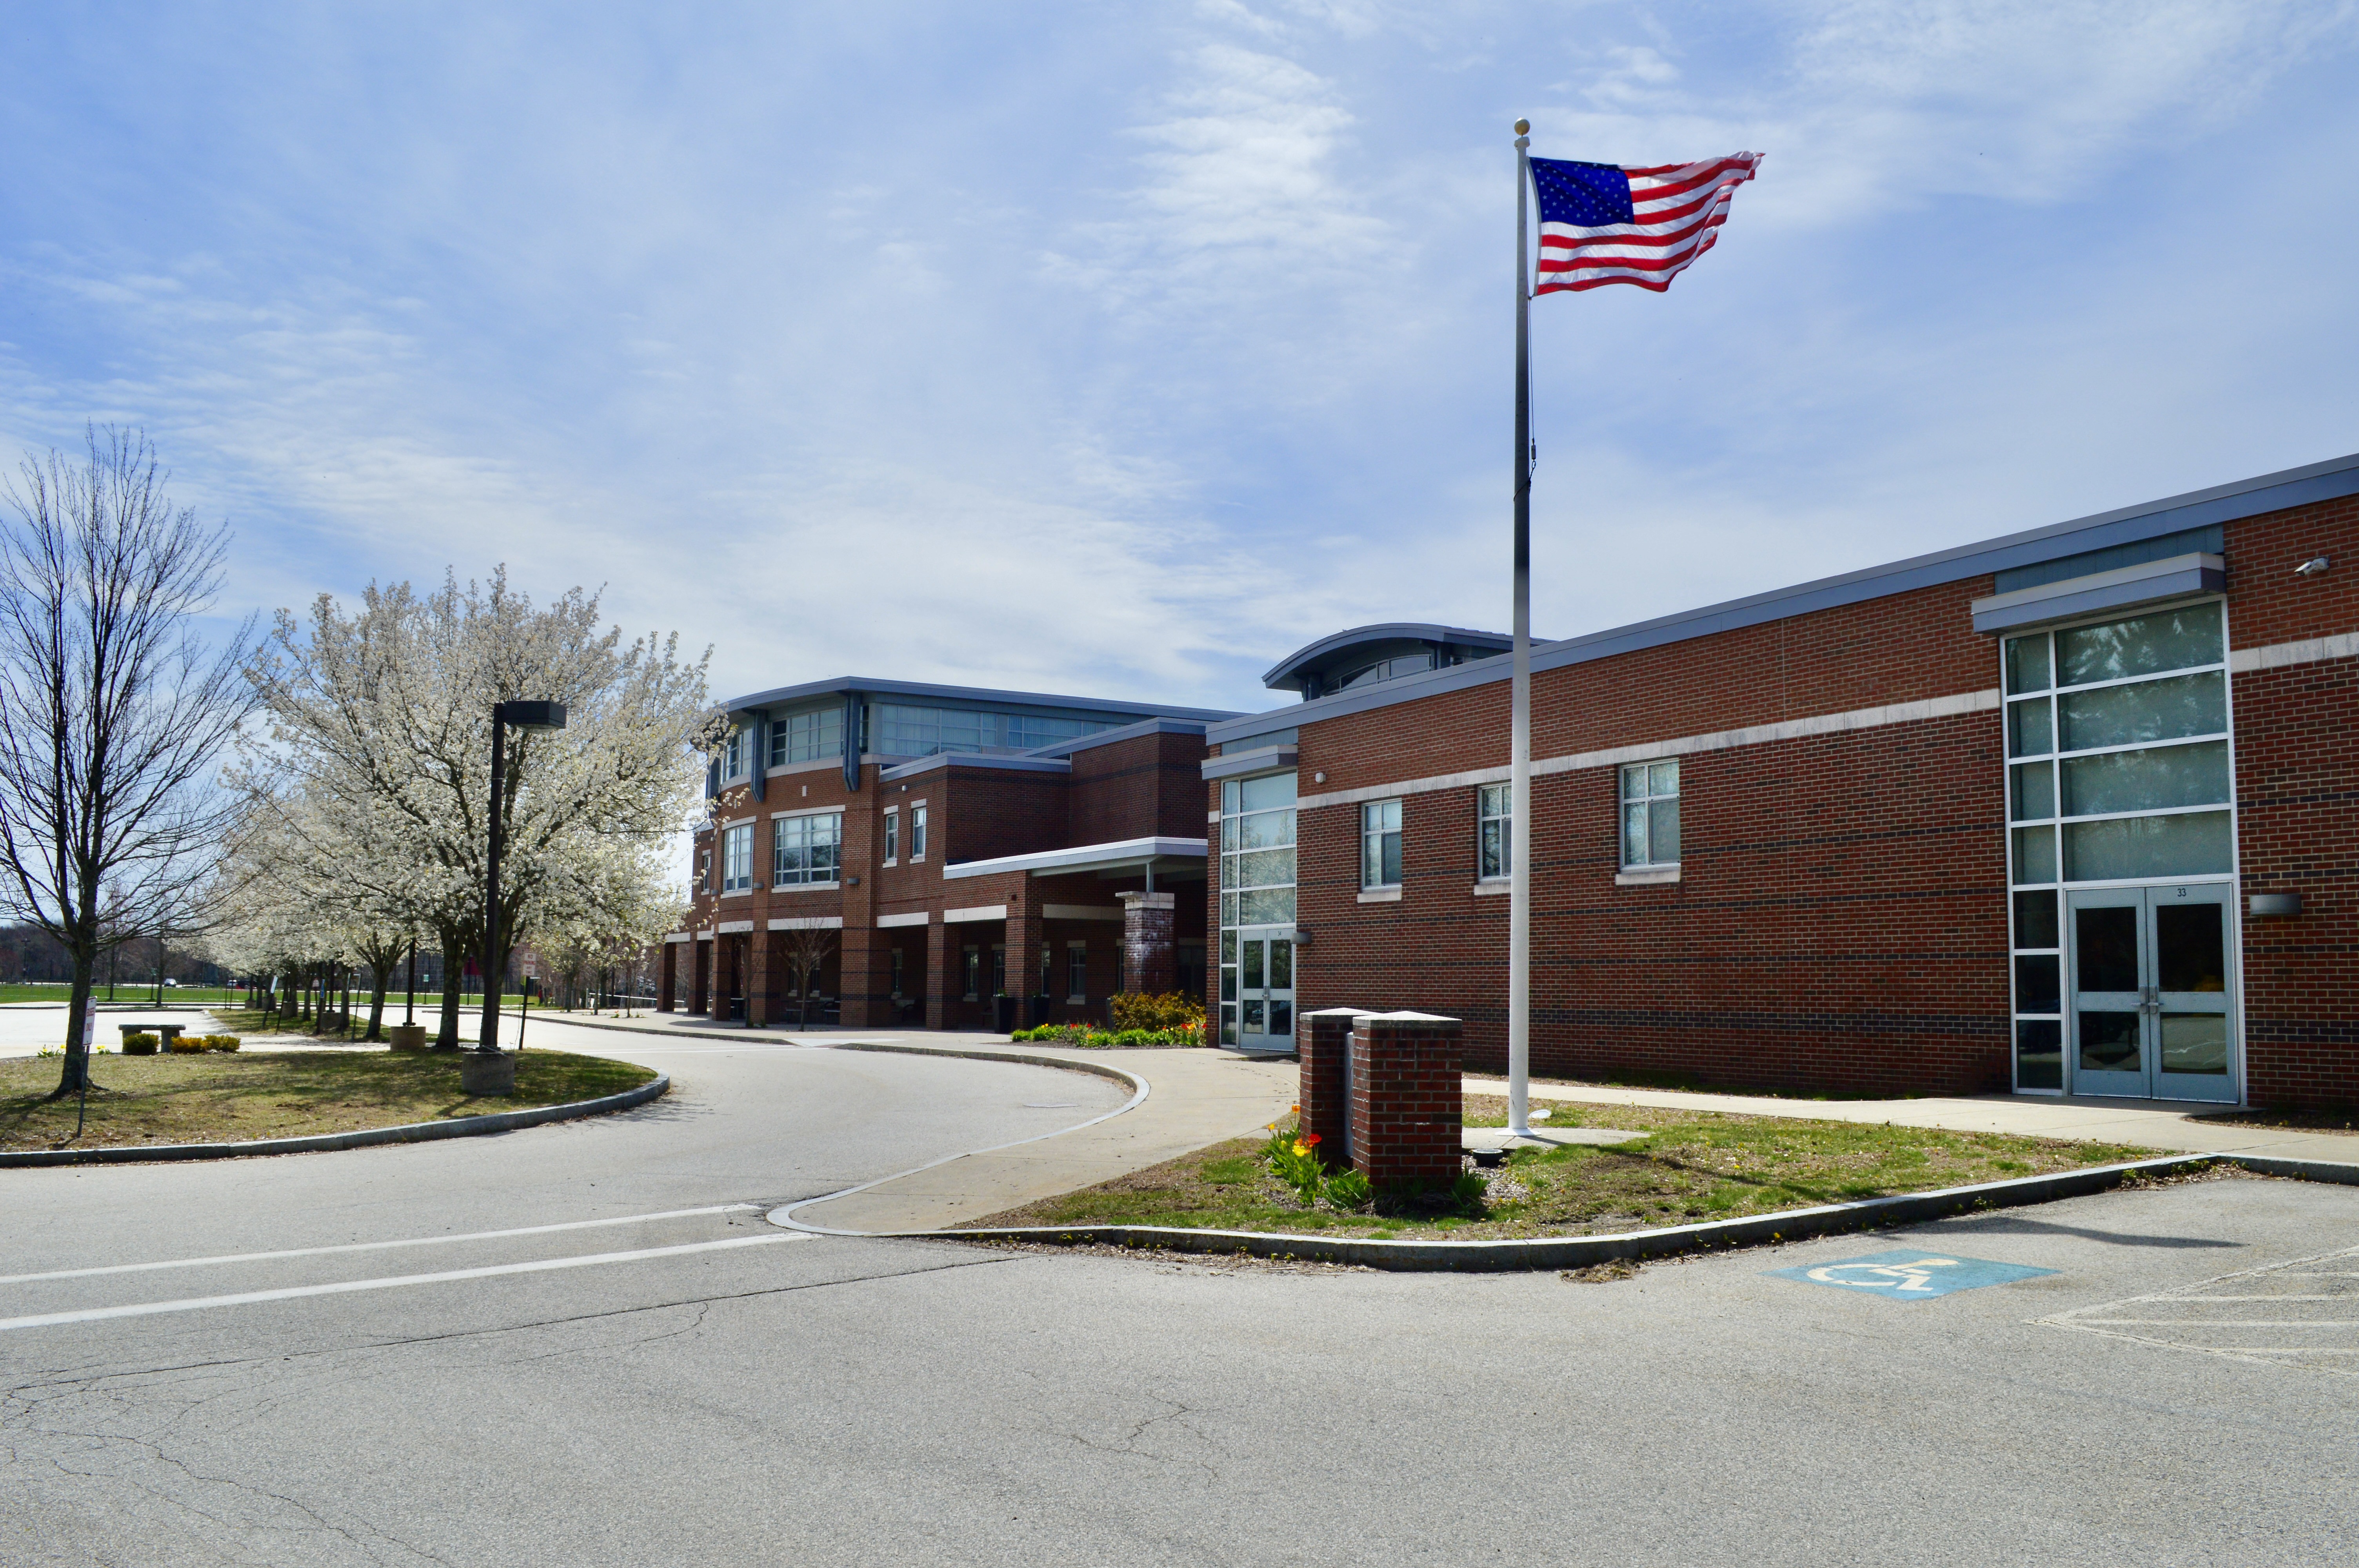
x=583, y=1344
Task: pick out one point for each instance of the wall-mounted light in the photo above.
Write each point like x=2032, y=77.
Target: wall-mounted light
x=2313, y=567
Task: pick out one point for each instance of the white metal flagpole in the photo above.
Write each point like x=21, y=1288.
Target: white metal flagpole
x=1520, y=899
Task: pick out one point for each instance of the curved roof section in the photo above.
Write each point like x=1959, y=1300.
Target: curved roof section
x=979, y=695
x=1288, y=673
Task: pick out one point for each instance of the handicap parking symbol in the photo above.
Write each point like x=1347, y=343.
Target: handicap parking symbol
x=1908, y=1276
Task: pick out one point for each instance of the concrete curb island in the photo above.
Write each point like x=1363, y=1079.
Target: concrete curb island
x=412, y=1132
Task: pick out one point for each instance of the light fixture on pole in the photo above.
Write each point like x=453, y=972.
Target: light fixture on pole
x=531, y=718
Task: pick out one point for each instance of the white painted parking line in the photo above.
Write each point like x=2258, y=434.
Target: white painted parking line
x=292, y=1292
x=2302, y=1330
x=371, y=1246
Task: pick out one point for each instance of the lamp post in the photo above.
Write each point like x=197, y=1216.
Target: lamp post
x=531, y=717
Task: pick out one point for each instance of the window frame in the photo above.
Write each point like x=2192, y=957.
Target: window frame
x=1374, y=832
x=1623, y=800
x=736, y=870
x=802, y=822
x=1077, y=968
x=1485, y=795
x=919, y=823
x=892, y=835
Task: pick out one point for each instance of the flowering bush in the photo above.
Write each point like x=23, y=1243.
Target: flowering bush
x=1169, y=1011
x=1083, y=1035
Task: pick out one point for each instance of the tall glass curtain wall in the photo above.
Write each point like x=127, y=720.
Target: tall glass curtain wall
x=1257, y=876
x=2117, y=772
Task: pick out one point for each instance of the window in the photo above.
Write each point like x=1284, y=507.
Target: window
x=1256, y=871
x=917, y=833
x=737, y=858
x=999, y=968
x=1047, y=963
x=1077, y=971
x=807, y=737
x=2117, y=770
x=732, y=757
x=892, y=837
x=900, y=970
x=704, y=870
x=806, y=849
x=1387, y=669
x=1380, y=844
x=1494, y=831
x=972, y=970
x=1651, y=813
x=906, y=731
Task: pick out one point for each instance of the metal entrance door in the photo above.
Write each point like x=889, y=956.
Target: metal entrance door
x=2151, y=992
x=1265, y=992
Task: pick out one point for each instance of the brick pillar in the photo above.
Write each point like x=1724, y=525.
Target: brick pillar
x=699, y=989
x=1150, y=959
x=867, y=975
x=1322, y=1042
x=762, y=966
x=938, y=973
x=667, y=978
x=1024, y=938
x=1408, y=1109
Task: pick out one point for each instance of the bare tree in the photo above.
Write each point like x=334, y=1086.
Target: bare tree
x=805, y=952
x=112, y=707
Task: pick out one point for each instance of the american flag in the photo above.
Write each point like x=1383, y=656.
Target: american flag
x=1602, y=223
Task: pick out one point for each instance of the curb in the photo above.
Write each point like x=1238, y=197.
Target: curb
x=413, y=1132
x=1581, y=1251
x=1102, y=1069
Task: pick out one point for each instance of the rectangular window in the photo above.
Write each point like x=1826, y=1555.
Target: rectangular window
x=900, y=970
x=1494, y=831
x=906, y=730
x=892, y=837
x=1077, y=972
x=704, y=870
x=917, y=833
x=807, y=737
x=972, y=970
x=1380, y=844
x=999, y=968
x=807, y=849
x=732, y=758
x=1651, y=813
x=737, y=858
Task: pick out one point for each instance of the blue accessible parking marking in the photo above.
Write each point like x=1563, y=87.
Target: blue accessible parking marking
x=1909, y=1276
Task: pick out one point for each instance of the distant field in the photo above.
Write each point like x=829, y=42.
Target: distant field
x=174, y=996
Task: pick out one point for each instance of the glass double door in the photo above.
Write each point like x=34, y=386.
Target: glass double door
x=2151, y=1004
x=1265, y=991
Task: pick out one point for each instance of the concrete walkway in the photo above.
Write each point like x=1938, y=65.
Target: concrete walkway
x=2153, y=1124
x=1194, y=1098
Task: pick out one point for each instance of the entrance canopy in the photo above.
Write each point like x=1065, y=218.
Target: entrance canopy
x=1181, y=857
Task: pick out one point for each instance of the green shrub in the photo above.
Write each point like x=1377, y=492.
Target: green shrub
x=188, y=1044
x=139, y=1044
x=221, y=1042
x=1166, y=1011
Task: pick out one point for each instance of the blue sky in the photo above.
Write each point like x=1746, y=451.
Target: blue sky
x=1121, y=350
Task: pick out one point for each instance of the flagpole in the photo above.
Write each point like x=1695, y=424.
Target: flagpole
x=1519, y=899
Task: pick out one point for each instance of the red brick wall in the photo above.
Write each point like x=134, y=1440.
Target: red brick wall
x=2297, y=787
x=1840, y=924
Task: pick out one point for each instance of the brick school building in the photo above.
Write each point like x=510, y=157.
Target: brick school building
x=2066, y=811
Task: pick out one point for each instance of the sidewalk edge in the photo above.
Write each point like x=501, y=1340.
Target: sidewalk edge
x=411, y=1132
x=1581, y=1251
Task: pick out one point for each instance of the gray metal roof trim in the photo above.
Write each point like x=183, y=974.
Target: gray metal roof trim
x=1381, y=632
x=1015, y=763
x=838, y=686
x=1155, y=726
x=2326, y=480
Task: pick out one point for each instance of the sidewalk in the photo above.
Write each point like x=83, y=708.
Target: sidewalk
x=2153, y=1124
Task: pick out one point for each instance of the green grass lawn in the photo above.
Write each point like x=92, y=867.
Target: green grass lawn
x=1690, y=1166
x=124, y=995
x=214, y=1099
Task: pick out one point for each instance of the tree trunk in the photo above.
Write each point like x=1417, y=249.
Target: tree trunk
x=378, y=981
x=454, y=957
x=76, y=1076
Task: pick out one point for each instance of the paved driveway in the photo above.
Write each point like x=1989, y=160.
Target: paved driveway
x=683, y=1383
